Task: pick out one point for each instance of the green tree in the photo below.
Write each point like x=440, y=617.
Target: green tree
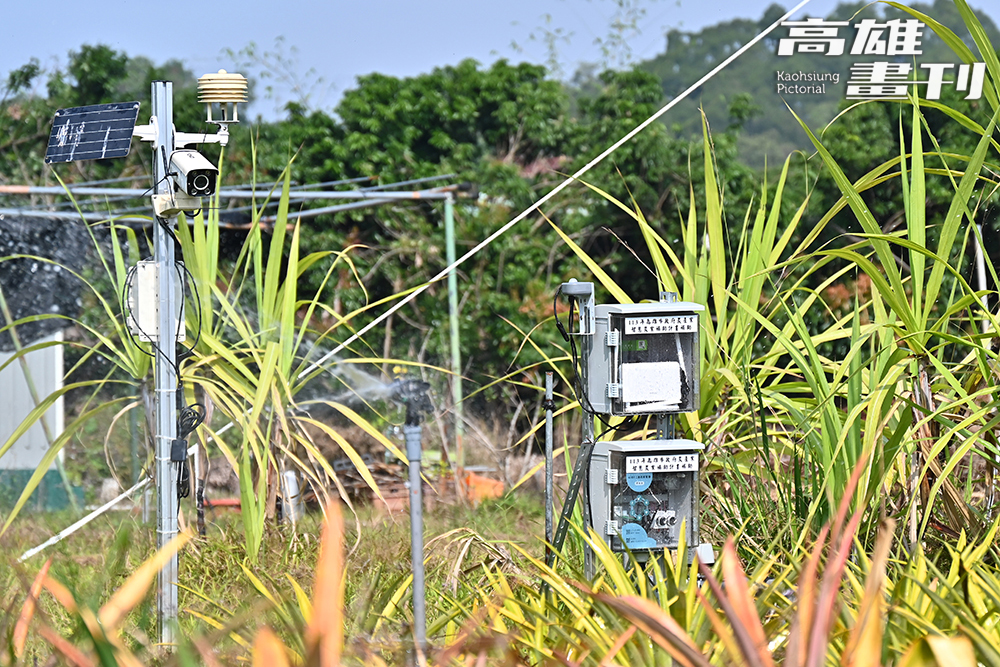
x=93, y=75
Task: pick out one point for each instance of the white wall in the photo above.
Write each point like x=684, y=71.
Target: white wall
x=46, y=369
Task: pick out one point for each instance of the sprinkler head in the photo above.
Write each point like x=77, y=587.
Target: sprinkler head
x=412, y=394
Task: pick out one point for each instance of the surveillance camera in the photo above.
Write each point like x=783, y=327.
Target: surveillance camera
x=193, y=173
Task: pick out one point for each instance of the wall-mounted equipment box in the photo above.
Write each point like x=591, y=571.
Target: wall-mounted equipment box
x=643, y=492
x=643, y=358
x=143, y=317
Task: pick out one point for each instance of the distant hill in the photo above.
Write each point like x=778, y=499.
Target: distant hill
x=773, y=133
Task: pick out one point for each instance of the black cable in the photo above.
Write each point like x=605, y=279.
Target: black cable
x=629, y=421
x=189, y=351
x=170, y=232
x=555, y=314
x=189, y=418
x=124, y=298
x=576, y=385
x=199, y=501
x=183, y=480
x=152, y=187
x=582, y=467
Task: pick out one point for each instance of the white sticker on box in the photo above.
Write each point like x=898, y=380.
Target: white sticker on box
x=661, y=463
x=661, y=324
x=658, y=381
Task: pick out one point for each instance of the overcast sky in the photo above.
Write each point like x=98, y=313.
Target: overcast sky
x=341, y=40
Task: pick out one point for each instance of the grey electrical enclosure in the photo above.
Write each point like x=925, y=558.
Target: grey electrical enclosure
x=643, y=359
x=643, y=492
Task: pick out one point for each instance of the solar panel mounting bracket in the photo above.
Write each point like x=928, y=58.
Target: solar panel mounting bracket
x=190, y=138
x=146, y=132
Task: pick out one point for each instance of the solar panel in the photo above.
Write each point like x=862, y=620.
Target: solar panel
x=93, y=132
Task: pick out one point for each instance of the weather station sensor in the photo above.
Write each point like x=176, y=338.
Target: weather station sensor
x=223, y=89
x=155, y=309
x=643, y=494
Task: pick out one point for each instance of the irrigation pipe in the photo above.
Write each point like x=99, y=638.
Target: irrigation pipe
x=100, y=510
x=318, y=364
x=58, y=537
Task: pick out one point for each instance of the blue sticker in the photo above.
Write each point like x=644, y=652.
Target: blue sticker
x=638, y=481
x=635, y=537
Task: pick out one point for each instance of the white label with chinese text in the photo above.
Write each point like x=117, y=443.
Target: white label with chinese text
x=661, y=463
x=659, y=324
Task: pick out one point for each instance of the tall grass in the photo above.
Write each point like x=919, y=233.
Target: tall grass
x=786, y=425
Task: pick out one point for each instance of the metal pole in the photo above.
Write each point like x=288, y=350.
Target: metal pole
x=165, y=364
x=411, y=432
x=548, y=468
x=456, y=355
x=588, y=445
x=133, y=432
x=440, y=192
x=981, y=275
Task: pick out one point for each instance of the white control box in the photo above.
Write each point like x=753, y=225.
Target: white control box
x=644, y=358
x=143, y=317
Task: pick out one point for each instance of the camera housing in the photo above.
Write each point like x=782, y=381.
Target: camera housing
x=194, y=174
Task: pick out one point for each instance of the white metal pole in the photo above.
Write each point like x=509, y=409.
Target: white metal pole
x=165, y=364
x=981, y=275
x=549, y=554
x=456, y=354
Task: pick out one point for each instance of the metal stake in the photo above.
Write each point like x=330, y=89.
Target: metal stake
x=411, y=432
x=548, y=468
x=165, y=364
